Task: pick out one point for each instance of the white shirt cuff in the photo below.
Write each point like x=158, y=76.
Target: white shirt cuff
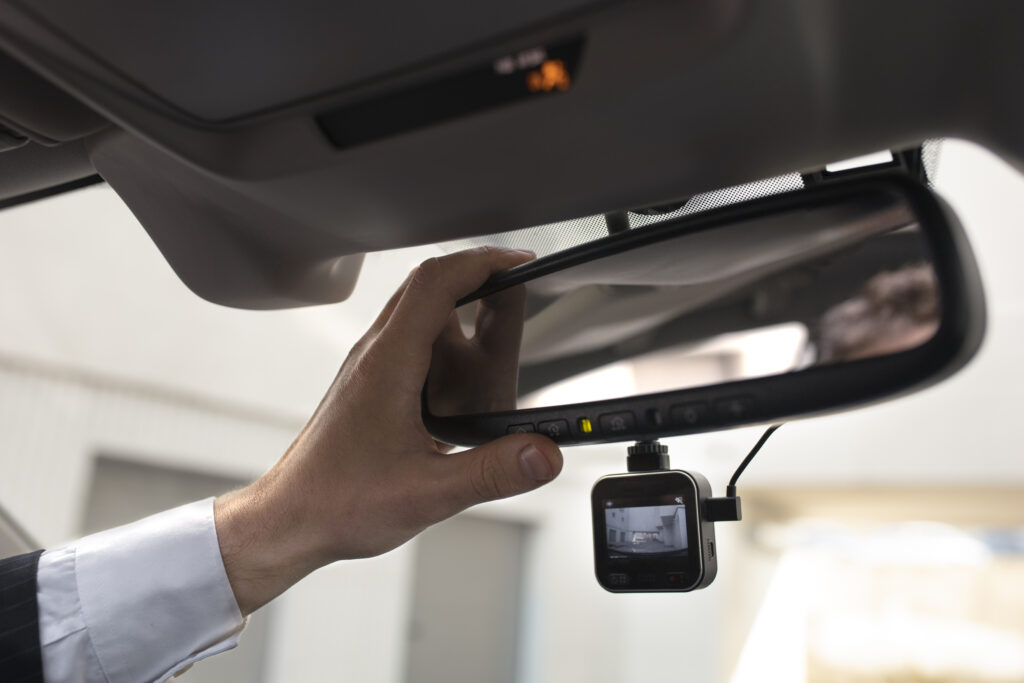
x=139, y=602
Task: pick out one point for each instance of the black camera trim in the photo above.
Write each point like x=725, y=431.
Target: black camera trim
x=814, y=391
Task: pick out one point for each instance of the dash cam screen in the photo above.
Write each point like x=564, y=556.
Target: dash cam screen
x=647, y=530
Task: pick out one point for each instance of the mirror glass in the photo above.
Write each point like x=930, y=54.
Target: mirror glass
x=772, y=294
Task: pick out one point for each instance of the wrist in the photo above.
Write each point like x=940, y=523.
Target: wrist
x=263, y=552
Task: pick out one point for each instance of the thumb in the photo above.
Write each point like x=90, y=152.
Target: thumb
x=504, y=467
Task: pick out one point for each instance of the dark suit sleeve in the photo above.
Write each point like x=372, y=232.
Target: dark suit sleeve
x=20, y=657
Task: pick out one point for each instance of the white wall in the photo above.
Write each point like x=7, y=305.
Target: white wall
x=102, y=348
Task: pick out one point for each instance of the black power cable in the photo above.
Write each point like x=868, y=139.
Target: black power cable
x=728, y=509
x=730, y=490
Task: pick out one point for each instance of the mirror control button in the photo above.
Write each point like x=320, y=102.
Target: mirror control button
x=612, y=423
x=654, y=417
x=555, y=429
x=521, y=428
x=734, y=407
x=690, y=414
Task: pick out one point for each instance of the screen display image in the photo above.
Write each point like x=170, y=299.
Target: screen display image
x=649, y=530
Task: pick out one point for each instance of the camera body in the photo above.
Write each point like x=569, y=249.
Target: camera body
x=653, y=532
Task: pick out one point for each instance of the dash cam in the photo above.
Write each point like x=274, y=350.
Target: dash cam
x=653, y=533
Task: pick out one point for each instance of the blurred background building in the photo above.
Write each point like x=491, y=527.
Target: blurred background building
x=881, y=544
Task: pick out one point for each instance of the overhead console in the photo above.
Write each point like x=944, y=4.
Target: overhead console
x=230, y=61
x=266, y=146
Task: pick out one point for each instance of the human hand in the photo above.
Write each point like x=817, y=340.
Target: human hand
x=364, y=475
x=478, y=374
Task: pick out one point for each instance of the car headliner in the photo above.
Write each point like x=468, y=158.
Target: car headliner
x=204, y=118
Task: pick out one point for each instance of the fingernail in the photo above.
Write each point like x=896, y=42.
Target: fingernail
x=528, y=252
x=534, y=464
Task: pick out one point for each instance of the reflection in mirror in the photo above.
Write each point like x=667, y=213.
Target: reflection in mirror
x=769, y=295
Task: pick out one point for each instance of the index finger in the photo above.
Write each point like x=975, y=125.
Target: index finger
x=438, y=283
x=500, y=320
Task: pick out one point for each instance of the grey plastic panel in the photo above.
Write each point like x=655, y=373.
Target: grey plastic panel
x=34, y=167
x=228, y=59
x=225, y=246
x=41, y=111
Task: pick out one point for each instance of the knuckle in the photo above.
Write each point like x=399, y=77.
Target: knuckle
x=484, y=250
x=363, y=350
x=363, y=344
x=427, y=273
x=430, y=277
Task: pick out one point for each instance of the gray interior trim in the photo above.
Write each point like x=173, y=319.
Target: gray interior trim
x=50, y=191
x=224, y=244
x=39, y=109
x=33, y=167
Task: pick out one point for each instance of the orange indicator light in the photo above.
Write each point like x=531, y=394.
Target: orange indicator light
x=551, y=75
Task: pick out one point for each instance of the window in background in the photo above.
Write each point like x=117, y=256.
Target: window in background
x=464, y=625
x=894, y=600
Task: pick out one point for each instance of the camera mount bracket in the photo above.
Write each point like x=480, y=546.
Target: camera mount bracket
x=647, y=456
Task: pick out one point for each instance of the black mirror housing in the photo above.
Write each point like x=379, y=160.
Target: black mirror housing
x=802, y=392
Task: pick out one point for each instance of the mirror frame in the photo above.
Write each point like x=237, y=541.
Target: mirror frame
x=803, y=393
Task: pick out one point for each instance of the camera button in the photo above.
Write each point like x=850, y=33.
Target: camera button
x=647, y=580
x=675, y=578
x=618, y=579
x=520, y=428
x=555, y=429
x=612, y=423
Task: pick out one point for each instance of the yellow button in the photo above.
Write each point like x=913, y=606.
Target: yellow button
x=585, y=425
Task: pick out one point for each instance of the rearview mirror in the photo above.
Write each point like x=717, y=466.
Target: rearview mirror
x=793, y=305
